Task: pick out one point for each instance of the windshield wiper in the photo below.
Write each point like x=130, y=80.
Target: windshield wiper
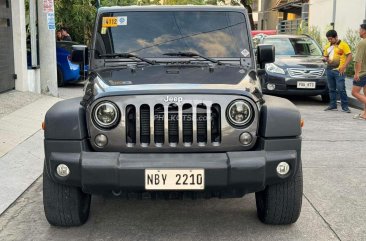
x=192, y=54
x=126, y=55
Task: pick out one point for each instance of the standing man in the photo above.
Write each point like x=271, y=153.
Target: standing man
x=360, y=72
x=338, y=55
x=65, y=35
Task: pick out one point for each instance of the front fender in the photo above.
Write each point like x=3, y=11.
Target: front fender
x=66, y=121
x=279, y=117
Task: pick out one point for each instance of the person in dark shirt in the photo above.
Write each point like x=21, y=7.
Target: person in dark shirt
x=65, y=35
x=58, y=35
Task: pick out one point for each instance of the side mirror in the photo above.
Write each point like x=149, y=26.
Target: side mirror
x=79, y=54
x=265, y=54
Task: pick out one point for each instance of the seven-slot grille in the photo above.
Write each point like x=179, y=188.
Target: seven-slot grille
x=172, y=125
x=306, y=73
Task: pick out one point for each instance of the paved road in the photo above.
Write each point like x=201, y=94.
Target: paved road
x=72, y=90
x=334, y=206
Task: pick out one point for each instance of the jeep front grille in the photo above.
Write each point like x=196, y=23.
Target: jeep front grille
x=150, y=124
x=160, y=125
x=305, y=73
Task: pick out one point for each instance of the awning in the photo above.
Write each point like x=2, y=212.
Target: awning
x=286, y=5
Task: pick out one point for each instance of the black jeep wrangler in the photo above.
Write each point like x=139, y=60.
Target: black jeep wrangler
x=172, y=109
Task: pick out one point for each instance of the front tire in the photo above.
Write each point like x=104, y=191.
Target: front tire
x=64, y=205
x=281, y=203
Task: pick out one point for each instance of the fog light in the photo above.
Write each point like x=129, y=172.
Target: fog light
x=283, y=168
x=101, y=140
x=271, y=86
x=246, y=139
x=62, y=170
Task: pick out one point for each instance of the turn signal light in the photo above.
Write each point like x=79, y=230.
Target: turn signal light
x=302, y=123
x=43, y=125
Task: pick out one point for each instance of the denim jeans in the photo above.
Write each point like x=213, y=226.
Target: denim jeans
x=336, y=82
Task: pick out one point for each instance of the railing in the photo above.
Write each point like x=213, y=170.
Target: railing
x=292, y=26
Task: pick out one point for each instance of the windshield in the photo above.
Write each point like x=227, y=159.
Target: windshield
x=151, y=34
x=294, y=46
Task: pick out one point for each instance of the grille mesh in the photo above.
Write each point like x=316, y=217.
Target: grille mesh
x=305, y=73
x=180, y=125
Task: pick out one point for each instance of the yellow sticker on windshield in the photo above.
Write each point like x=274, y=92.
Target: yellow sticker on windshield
x=109, y=22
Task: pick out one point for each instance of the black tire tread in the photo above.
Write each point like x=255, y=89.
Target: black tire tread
x=64, y=205
x=281, y=203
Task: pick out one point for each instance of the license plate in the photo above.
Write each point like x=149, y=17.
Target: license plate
x=174, y=179
x=305, y=85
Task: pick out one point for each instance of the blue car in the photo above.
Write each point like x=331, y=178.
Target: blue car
x=67, y=72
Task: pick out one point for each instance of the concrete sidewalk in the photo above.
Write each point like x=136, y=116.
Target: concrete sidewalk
x=21, y=162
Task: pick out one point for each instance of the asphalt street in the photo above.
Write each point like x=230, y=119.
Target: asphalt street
x=334, y=207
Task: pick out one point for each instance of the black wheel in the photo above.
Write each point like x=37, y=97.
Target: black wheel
x=60, y=78
x=64, y=205
x=325, y=98
x=281, y=203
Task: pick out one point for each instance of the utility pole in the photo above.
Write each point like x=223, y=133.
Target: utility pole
x=364, y=20
x=334, y=13
x=47, y=53
x=33, y=32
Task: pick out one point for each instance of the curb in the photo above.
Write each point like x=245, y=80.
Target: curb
x=354, y=103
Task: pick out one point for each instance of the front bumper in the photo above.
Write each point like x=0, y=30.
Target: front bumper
x=103, y=172
x=285, y=85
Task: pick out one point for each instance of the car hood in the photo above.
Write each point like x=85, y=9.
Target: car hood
x=162, y=79
x=299, y=62
x=163, y=74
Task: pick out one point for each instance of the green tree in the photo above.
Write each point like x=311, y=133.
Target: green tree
x=78, y=17
x=183, y=2
x=127, y=2
x=352, y=38
x=248, y=5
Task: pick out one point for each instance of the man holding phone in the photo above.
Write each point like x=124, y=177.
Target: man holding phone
x=337, y=54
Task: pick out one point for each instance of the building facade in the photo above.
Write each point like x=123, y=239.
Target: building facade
x=286, y=16
x=345, y=15
x=289, y=16
x=23, y=65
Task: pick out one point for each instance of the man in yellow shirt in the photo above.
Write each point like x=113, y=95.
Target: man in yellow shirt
x=360, y=72
x=338, y=55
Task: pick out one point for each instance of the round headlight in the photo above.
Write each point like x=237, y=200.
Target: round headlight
x=106, y=114
x=239, y=113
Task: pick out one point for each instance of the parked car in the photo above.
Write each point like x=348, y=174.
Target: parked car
x=68, y=72
x=298, y=69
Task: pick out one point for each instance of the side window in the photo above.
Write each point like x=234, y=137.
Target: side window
x=300, y=49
